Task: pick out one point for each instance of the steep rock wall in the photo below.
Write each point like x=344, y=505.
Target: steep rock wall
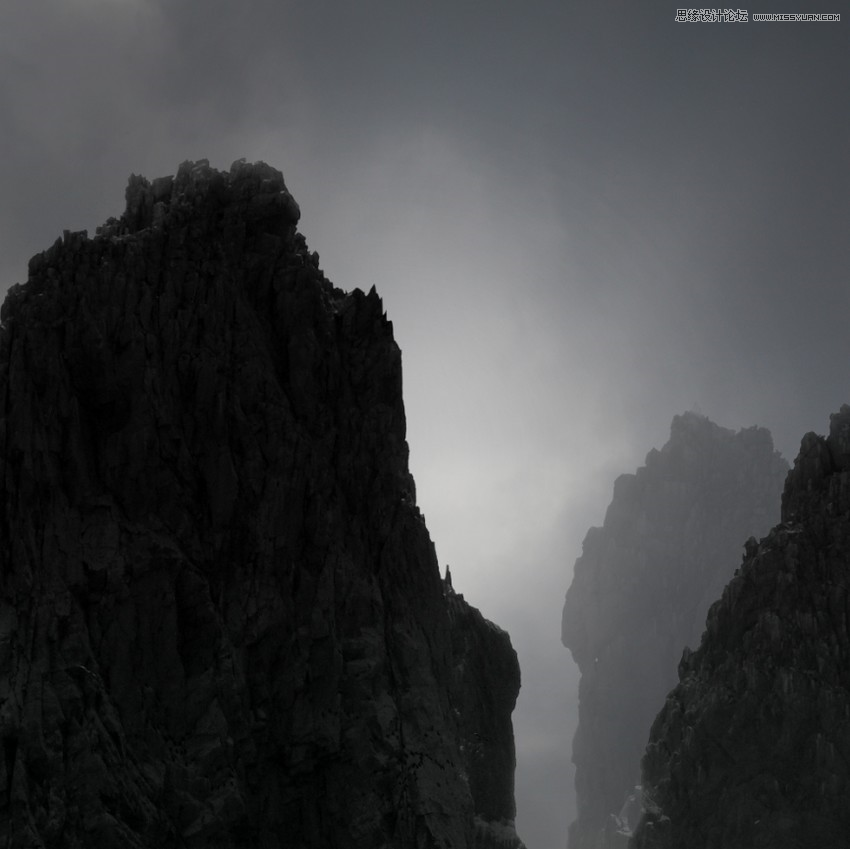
x=221, y=618
x=752, y=748
x=640, y=594
x=487, y=688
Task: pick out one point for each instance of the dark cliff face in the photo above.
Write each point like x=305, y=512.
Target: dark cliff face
x=640, y=593
x=752, y=748
x=486, y=687
x=221, y=618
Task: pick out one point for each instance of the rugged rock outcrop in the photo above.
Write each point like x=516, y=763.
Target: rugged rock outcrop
x=221, y=618
x=486, y=687
x=640, y=593
x=752, y=748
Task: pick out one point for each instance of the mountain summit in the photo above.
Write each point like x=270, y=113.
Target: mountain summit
x=222, y=622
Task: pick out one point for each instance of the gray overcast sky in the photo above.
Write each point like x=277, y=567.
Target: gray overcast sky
x=583, y=218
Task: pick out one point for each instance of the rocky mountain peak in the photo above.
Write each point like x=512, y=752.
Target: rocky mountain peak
x=248, y=192
x=819, y=460
x=222, y=622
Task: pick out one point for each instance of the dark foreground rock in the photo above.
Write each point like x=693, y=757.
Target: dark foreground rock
x=752, y=748
x=221, y=618
x=640, y=593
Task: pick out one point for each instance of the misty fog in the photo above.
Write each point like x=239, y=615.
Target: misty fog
x=582, y=219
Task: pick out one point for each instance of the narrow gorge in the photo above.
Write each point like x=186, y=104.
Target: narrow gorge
x=641, y=589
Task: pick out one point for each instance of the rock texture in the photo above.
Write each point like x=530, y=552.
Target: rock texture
x=221, y=618
x=640, y=593
x=752, y=748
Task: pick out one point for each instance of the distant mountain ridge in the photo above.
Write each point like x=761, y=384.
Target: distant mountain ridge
x=752, y=748
x=222, y=622
x=640, y=593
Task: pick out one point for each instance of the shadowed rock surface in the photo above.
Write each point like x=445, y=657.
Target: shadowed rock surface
x=640, y=594
x=221, y=618
x=752, y=748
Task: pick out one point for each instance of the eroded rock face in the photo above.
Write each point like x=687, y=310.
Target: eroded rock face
x=221, y=618
x=752, y=748
x=640, y=593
